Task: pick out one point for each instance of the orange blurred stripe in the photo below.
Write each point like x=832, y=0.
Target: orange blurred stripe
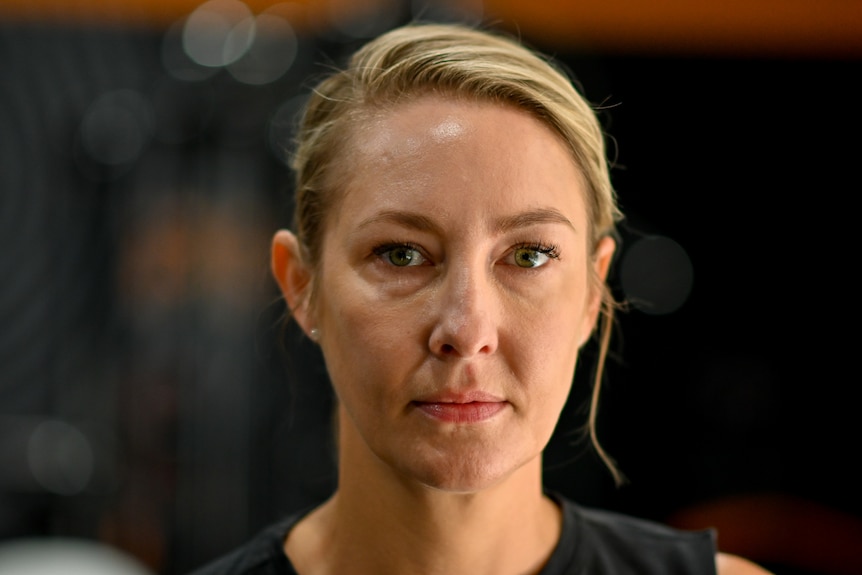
x=797, y=27
x=757, y=26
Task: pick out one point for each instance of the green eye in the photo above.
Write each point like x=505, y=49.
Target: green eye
x=400, y=255
x=403, y=256
x=529, y=258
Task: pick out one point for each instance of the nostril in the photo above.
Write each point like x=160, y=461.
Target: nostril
x=447, y=349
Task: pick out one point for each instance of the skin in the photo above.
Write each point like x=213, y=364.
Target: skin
x=463, y=192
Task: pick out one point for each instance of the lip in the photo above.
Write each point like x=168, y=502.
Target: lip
x=466, y=407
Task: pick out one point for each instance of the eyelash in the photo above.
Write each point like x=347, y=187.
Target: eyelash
x=389, y=246
x=549, y=250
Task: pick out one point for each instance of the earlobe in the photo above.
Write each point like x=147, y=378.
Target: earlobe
x=293, y=276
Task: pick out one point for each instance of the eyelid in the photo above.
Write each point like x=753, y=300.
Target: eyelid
x=381, y=249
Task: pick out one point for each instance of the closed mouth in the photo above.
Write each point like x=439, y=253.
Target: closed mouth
x=461, y=411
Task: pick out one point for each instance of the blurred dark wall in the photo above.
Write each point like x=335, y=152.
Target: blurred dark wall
x=144, y=398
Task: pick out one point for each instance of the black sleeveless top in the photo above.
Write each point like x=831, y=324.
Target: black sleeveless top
x=592, y=542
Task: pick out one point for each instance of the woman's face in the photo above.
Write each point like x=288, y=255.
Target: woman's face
x=454, y=291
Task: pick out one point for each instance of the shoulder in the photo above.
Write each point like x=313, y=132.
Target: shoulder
x=604, y=541
x=727, y=564
x=261, y=555
x=634, y=531
x=666, y=545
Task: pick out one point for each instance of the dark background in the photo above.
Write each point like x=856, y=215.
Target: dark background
x=145, y=402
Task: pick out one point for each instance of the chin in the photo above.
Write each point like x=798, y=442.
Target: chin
x=466, y=474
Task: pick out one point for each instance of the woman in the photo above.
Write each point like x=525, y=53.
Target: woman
x=453, y=232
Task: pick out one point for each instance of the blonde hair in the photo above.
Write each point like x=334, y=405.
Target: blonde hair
x=459, y=61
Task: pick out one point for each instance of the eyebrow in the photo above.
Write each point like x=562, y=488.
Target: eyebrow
x=407, y=219
x=530, y=218
x=502, y=225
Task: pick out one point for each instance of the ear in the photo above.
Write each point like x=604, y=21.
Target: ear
x=602, y=257
x=601, y=264
x=293, y=276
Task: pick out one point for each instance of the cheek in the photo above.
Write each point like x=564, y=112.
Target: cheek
x=366, y=343
x=361, y=323
x=542, y=341
x=555, y=320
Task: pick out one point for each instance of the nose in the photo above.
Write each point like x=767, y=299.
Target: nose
x=466, y=323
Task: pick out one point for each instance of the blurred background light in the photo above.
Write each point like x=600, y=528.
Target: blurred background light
x=176, y=59
x=270, y=54
x=116, y=128
x=218, y=32
x=66, y=556
x=60, y=457
x=656, y=275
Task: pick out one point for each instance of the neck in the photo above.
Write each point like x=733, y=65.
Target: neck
x=381, y=522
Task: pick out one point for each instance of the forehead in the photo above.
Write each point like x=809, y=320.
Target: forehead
x=438, y=152
x=439, y=119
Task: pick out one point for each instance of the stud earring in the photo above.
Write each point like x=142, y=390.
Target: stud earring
x=314, y=333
